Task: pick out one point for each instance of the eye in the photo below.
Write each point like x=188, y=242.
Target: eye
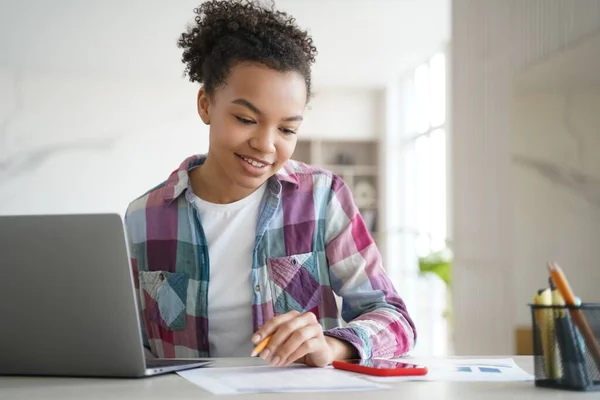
x=244, y=121
x=288, y=131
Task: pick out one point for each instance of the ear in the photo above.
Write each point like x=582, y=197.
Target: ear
x=203, y=103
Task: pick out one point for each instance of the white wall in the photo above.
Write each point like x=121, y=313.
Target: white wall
x=555, y=135
x=86, y=143
x=347, y=113
x=361, y=43
x=491, y=41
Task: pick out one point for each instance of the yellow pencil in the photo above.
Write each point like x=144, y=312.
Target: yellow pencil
x=261, y=346
x=544, y=318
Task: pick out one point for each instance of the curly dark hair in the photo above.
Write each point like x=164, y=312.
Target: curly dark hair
x=228, y=32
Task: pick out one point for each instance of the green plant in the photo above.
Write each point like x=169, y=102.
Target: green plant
x=439, y=263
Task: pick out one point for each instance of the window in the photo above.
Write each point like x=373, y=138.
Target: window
x=422, y=195
x=427, y=131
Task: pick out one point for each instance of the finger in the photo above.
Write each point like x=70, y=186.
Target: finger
x=282, y=334
x=297, y=341
x=310, y=346
x=271, y=325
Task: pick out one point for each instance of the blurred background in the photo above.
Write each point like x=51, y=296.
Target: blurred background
x=468, y=130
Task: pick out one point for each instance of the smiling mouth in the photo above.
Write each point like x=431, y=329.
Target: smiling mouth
x=253, y=162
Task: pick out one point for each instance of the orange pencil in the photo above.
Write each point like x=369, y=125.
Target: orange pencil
x=261, y=346
x=561, y=283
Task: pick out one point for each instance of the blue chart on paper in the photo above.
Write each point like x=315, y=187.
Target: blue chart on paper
x=481, y=369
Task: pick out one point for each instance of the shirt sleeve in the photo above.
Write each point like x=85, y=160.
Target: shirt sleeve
x=135, y=271
x=377, y=322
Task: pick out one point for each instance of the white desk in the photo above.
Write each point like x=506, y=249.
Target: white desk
x=173, y=387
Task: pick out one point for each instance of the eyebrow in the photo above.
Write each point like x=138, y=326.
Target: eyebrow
x=254, y=109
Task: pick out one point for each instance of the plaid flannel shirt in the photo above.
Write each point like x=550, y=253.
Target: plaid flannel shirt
x=311, y=242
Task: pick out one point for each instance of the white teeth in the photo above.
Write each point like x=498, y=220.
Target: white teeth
x=253, y=163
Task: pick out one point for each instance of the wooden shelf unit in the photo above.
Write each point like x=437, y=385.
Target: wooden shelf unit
x=356, y=161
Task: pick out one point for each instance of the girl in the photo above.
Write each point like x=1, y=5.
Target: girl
x=243, y=243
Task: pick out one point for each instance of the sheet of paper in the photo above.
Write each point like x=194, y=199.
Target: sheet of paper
x=248, y=380
x=465, y=370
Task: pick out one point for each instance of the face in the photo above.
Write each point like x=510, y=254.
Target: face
x=254, y=119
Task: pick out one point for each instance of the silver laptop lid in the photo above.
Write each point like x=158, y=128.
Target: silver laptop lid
x=67, y=298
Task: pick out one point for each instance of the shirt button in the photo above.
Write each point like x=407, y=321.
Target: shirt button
x=294, y=262
x=257, y=288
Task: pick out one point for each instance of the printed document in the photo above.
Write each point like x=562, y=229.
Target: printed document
x=264, y=379
x=464, y=370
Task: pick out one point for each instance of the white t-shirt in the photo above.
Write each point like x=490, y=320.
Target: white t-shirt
x=230, y=231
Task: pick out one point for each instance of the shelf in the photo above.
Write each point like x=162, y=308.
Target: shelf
x=356, y=162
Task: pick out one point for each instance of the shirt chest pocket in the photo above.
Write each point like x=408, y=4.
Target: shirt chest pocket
x=163, y=296
x=295, y=282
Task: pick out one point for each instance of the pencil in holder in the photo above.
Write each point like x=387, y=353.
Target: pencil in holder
x=566, y=346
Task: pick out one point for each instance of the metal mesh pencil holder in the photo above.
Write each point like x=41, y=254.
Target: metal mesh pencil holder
x=566, y=346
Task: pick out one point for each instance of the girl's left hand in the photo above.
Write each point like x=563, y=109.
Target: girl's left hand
x=298, y=337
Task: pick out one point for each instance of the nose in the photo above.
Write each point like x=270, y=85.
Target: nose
x=264, y=140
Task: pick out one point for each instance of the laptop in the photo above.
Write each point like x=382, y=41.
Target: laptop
x=67, y=300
